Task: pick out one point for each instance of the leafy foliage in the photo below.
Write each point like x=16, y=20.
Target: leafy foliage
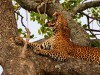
x=95, y=12
x=69, y=4
x=42, y=18
x=78, y=17
x=39, y=17
x=95, y=44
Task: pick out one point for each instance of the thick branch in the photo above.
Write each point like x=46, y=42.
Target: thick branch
x=85, y=6
x=31, y=5
x=28, y=4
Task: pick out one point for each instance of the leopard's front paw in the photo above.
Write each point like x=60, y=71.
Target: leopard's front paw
x=19, y=40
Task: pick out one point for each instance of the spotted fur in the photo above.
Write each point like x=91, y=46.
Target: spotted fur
x=60, y=46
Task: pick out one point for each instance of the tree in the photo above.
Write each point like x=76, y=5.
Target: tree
x=34, y=64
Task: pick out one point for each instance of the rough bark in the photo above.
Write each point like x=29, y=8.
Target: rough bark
x=8, y=27
x=33, y=64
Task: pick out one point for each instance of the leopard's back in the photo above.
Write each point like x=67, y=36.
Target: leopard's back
x=87, y=53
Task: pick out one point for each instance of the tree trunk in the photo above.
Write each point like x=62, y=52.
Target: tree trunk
x=32, y=64
x=9, y=53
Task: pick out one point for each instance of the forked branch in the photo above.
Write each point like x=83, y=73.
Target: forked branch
x=84, y=6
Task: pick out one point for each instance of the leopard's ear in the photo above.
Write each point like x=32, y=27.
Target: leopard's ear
x=55, y=13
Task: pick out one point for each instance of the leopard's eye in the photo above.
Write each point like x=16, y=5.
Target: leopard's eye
x=67, y=26
x=41, y=46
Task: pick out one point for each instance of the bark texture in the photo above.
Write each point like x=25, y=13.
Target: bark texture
x=35, y=64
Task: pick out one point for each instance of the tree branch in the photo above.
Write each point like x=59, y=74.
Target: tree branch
x=88, y=24
x=28, y=4
x=85, y=6
x=95, y=18
x=27, y=36
x=93, y=30
x=31, y=5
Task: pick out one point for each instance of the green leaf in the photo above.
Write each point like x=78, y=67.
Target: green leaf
x=92, y=36
x=24, y=35
x=39, y=31
x=20, y=31
x=95, y=44
x=32, y=36
x=46, y=36
x=84, y=26
x=49, y=33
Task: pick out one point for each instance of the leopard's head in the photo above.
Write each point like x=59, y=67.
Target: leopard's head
x=57, y=13
x=56, y=16
x=59, y=23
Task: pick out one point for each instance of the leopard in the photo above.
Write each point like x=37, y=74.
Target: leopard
x=60, y=47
